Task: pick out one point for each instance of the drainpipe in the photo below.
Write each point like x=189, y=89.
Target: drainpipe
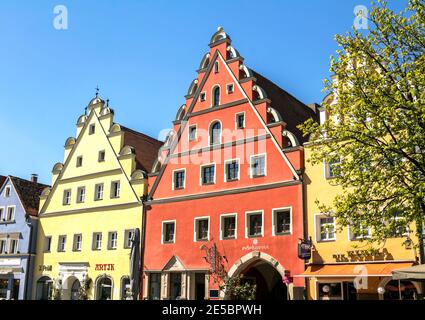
x=27, y=286
x=142, y=246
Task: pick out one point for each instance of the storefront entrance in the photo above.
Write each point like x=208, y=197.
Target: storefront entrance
x=75, y=290
x=104, y=288
x=400, y=290
x=44, y=288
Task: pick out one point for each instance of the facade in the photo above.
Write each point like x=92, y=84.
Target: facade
x=19, y=200
x=227, y=192
x=342, y=267
x=89, y=217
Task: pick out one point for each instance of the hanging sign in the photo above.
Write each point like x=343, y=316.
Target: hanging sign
x=304, y=249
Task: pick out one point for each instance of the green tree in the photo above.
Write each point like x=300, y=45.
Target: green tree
x=376, y=123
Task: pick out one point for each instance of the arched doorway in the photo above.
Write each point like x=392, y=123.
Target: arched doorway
x=44, y=288
x=104, y=288
x=400, y=290
x=75, y=290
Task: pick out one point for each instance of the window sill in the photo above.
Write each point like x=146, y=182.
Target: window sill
x=7, y=221
x=288, y=233
x=115, y=197
x=324, y=241
x=232, y=180
x=181, y=188
x=255, y=236
x=112, y=249
x=229, y=238
x=202, y=240
x=208, y=184
x=258, y=176
x=168, y=242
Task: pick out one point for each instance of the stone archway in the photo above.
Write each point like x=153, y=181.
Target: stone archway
x=265, y=272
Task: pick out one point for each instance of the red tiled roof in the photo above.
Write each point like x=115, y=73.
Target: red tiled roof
x=29, y=192
x=145, y=146
x=2, y=180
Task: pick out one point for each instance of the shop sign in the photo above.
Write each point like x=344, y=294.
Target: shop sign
x=44, y=268
x=304, y=249
x=104, y=267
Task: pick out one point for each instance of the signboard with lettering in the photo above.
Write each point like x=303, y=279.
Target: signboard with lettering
x=44, y=268
x=104, y=267
x=304, y=249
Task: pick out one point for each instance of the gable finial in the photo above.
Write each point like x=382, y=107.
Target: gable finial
x=97, y=91
x=107, y=102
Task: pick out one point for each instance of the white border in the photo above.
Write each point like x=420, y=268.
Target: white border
x=236, y=120
x=200, y=173
x=195, y=224
x=14, y=213
x=225, y=169
x=249, y=213
x=184, y=180
x=317, y=216
x=225, y=215
x=274, y=210
x=196, y=132
x=227, y=88
x=162, y=231
x=265, y=165
x=212, y=96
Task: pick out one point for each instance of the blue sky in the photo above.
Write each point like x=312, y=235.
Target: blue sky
x=143, y=56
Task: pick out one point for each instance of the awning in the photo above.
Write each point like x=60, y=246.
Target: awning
x=412, y=273
x=354, y=270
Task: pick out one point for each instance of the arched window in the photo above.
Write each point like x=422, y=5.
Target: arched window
x=216, y=97
x=75, y=290
x=215, y=133
x=44, y=288
x=125, y=288
x=104, y=288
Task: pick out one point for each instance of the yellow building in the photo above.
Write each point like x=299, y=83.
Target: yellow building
x=342, y=267
x=89, y=216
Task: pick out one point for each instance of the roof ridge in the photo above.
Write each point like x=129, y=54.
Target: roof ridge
x=29, y=181
x=124, y=128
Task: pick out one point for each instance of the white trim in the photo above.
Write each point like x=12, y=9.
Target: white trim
x=317, y=237
x=200, y=173
x=225, y=169
x=249, y=213
x=196, y=132
x=173, y=177
x=162, y=231
x=3, y=214
x=195, y=224
x=210, y=133
x=13, y=215
x=351, y=236
x=225, y=215
x=274, y=211
x=236, y=120
x=285, y=157
x=265, y=164
x=205, y=96
x=9, y=245
x=6, y=191
x=216, y=67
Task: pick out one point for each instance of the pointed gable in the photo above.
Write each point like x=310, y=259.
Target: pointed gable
x=174, y=264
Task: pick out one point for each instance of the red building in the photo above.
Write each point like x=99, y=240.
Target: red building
x=227, y=193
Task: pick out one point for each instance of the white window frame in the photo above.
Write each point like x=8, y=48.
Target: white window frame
x=212, y=97
x=4, y=240
x=3, y=214
x=195, y=228
x=96, y=198
x=317, y=225
x=227, y=88
x=201, y=174
x=62, y=236
x=210, y=133
x=251, y=175
x=95, y=241
x=10, y=251
x=13, y=213
x=236, y=120
x=117, y=190
x=77, y=245
x=203, y=94
x=128, y=235
x=247, y=215
x=45, y=249
x=163, y=231
x=225, y=169
x=79, y=189
x=7, y=191
x=111, y=240
x=228, y=215
x=274, y=220
x=352, y=237
x=173, y=178
x=328, y=170
x=196, y=132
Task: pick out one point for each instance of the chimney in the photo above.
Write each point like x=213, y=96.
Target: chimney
x=34, y=178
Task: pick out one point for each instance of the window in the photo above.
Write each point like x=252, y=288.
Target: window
x=179, y=179
x=202, y=229
x=2, y=214
x=155, y=286
x=128, y=236
x=326, y=228
x=228, y=227
x=81, y=194
x=333, y=169
x=115, y=189
x=203, y=96
x=97, y=241
x=208, y=174
x=47, y=243
x=3, y=246
x=61, y=243
x=215, y=133
x=192, y=133
x=230, y=88
x=104, y=288
x=79, y=161
x=231, y=170
x=329, y=291
x=216, y=97
x=258, y=166
x=98, y=195
x=168, y=232
x=78, y=239
x=254, y=224
x=13, y=247
x=216, y=67
x=112, y=240
x=101, y=156
x=362, y=232
x=67, y=197
x=125, y=288
x=240, y=120
x=7, y=192
x=397, y=225
x=92, y=129
x=282, y=224
x=175, y=285
x=10, y=214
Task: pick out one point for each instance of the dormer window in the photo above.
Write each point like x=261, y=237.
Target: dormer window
x=216, y=67
x=92, y=129
x=216, y=97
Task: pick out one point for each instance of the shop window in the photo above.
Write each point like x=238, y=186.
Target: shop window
x=44, y=288
x=3, y=289
x=330, y=291
x=154, y=286
x=15, y=289
x=125, y=288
